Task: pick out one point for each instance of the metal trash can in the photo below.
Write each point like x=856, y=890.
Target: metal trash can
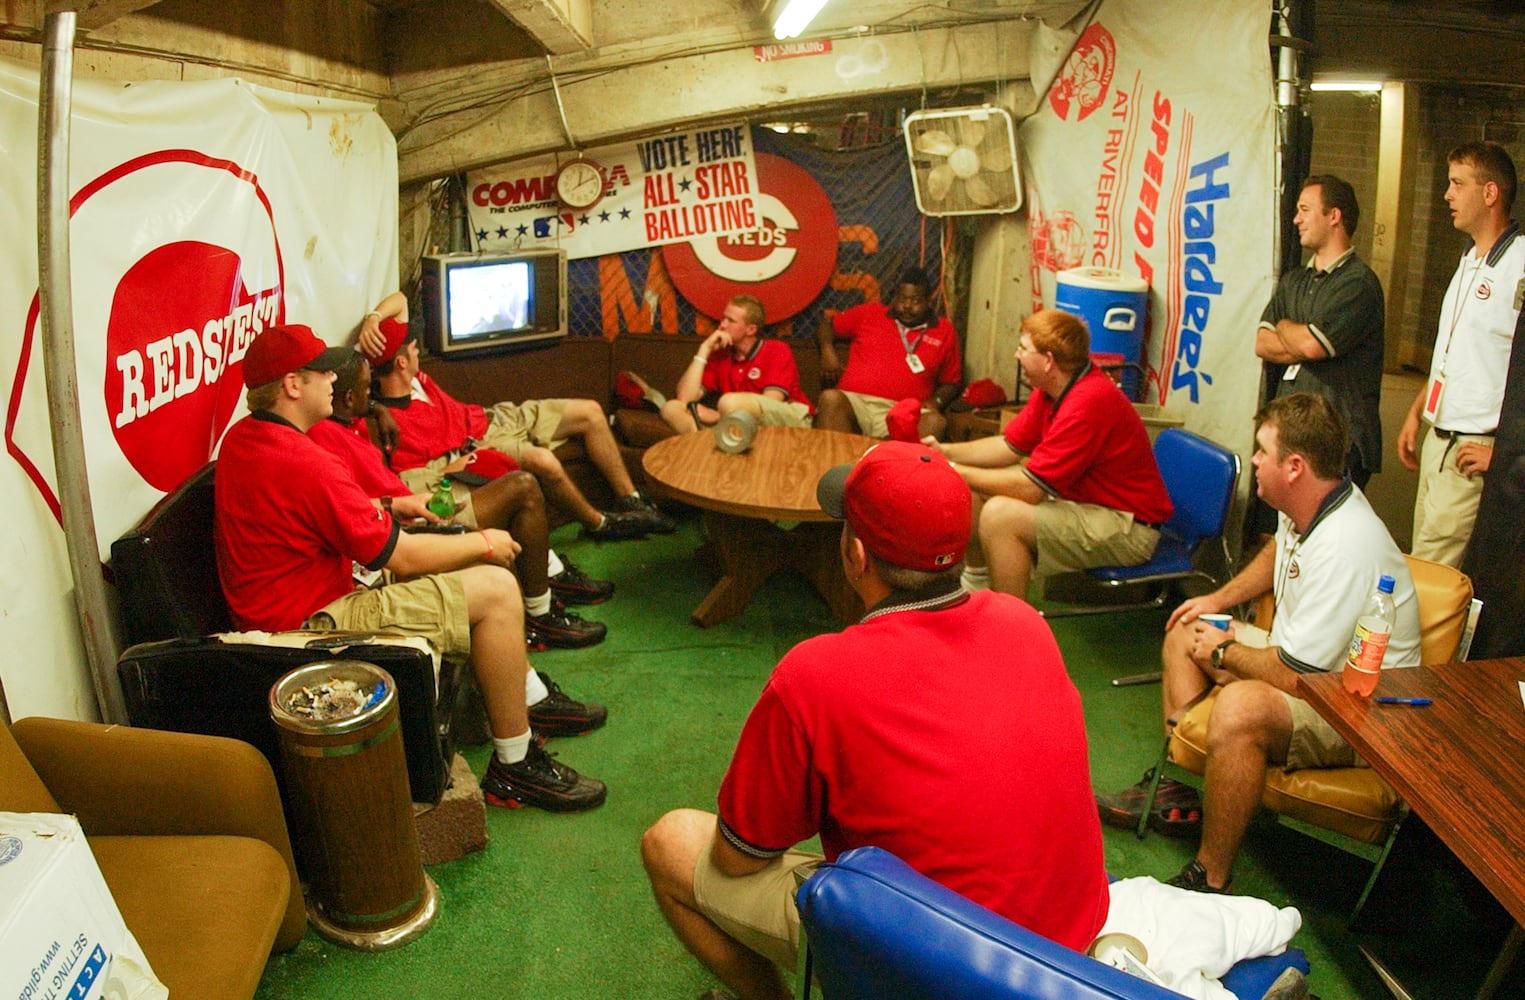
x=347, y=790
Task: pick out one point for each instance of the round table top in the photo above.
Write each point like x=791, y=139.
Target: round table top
x=775, y=479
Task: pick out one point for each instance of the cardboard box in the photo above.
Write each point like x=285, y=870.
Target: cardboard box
x=61, y=934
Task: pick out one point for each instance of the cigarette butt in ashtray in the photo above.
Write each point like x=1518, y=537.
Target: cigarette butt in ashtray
x=734, y=433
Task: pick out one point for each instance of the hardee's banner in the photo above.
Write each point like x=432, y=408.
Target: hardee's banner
x=1153, y=154
x=667, y=189
x=199, y=214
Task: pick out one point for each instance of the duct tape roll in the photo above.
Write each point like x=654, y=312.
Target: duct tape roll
x=734, y=433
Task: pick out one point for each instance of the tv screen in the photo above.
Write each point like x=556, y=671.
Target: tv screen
x=490, y=302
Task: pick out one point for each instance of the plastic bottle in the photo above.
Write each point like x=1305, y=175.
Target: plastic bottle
x=1369, y=644
x=442, y=503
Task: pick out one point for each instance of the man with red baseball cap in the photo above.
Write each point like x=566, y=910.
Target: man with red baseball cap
x=873, y=736
x=290, y=523
x=435, y=429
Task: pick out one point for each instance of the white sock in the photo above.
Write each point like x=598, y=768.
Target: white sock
x=535, y=690
x=513, y=749
x=553, y=563
x=537, y=606
x=975, y=578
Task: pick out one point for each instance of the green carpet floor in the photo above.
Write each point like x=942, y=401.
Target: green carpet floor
x=558, y=907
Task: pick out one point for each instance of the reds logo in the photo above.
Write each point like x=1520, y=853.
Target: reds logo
x=785, y=263
x=754, y=373
x=1086, y=75
x=183, y=307
x=1485, y=291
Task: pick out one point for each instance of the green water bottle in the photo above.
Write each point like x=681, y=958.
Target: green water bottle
x=442, y=504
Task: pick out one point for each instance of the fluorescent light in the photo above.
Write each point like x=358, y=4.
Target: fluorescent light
x=1355, y=86
x=796, y=17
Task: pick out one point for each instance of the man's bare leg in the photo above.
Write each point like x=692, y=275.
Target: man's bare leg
x=585, y=419
x=558, y=486
x=515, y=504
x=1009, y=538
x=670, y=850
x=834, y=413
x=496, y=611
x=1250, y=727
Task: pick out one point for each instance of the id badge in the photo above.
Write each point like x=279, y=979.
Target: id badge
x=1290, y=374
x=914, y=363
x=1432, y=396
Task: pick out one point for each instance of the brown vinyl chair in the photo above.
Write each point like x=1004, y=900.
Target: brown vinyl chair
x=1354, y=802
x=189, y=834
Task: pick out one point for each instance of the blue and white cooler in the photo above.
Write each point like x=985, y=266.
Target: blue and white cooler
x=1113, y=306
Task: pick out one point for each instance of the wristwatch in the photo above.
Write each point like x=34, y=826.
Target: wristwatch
x=1219, y=650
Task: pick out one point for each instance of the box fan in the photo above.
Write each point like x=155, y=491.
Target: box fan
x=963, y=161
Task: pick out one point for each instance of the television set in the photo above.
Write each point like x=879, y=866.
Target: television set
x=489, y=302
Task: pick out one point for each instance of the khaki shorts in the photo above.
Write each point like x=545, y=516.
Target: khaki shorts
x=1076, y=536
x=432, y=607
x=758, y=909
x=1314, y=742
x=513, y=427
x=778, y=413
x=870, y=412
x=426, y=478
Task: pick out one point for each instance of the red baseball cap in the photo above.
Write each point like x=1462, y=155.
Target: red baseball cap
x=904, y=419
x=396, y=333
x=281, y=349
x=906, y=503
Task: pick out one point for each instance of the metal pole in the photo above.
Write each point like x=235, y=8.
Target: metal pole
x=54, y=95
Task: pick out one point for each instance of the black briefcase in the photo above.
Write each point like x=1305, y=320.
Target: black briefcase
x=222, y=688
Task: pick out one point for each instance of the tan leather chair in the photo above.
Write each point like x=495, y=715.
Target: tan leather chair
x=1352, y=801
x=189, y=834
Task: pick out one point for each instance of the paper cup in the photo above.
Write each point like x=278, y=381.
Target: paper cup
x=1217, y=621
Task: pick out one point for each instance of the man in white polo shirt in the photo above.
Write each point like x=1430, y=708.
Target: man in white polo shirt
x=1465, y=391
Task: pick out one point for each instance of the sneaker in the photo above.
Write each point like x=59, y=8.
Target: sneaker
x=573, y=586
x=1194, y=877
x=619, y=526
x=539, y=781
x=559, y=628
x=559, y=715
x=656, y=521
x=1173, y=798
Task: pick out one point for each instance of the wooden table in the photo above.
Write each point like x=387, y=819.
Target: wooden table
x=742, y=497
x=1456, y=763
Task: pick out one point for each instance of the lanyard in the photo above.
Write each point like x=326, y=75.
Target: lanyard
x=909, y=344
x=1457, y=306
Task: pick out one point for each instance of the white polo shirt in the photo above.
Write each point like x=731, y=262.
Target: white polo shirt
x=1476, y=334
x=1323, y=578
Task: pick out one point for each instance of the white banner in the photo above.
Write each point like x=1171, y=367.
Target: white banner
x=200, y=213
x=1153, y=155
x=670, y=189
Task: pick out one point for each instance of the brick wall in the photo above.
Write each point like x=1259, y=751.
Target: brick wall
x=1345, y=131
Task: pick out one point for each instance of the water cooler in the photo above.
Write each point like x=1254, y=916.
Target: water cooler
x=1113, y=306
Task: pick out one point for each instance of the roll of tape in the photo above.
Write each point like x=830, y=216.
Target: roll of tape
x=734, y=433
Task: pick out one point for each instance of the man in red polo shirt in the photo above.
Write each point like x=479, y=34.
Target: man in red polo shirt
x=1072, y=483
x=900, y=351
x=746, y=371
x=291, y=521
x=942, y=727
x=511, y=500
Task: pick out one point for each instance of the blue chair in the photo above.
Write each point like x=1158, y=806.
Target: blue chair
x=1199, y=476
x=876, y=928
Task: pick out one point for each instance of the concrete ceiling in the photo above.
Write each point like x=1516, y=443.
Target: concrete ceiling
x=464, y=83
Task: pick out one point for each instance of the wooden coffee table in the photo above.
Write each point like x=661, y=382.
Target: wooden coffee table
x=742, y=497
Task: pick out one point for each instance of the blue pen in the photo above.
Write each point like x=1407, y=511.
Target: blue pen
x=1404, y=701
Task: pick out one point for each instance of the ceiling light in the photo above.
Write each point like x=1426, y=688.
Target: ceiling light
x=795, y=17
x=1354, y=86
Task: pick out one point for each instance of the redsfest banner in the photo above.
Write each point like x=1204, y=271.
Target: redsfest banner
x=1152, y=154
x=668, y=189
x=200, y=213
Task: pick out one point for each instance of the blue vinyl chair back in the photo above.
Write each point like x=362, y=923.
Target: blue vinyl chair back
x=1199, y=476
x=876, y=928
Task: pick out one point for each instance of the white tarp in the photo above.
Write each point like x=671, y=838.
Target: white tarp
x=1153, y=154
x=200, y=212
x=668, y=189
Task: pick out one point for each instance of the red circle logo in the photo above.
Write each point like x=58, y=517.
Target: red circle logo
x=1082, y=84
x=182, y=313
x=785, y=263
